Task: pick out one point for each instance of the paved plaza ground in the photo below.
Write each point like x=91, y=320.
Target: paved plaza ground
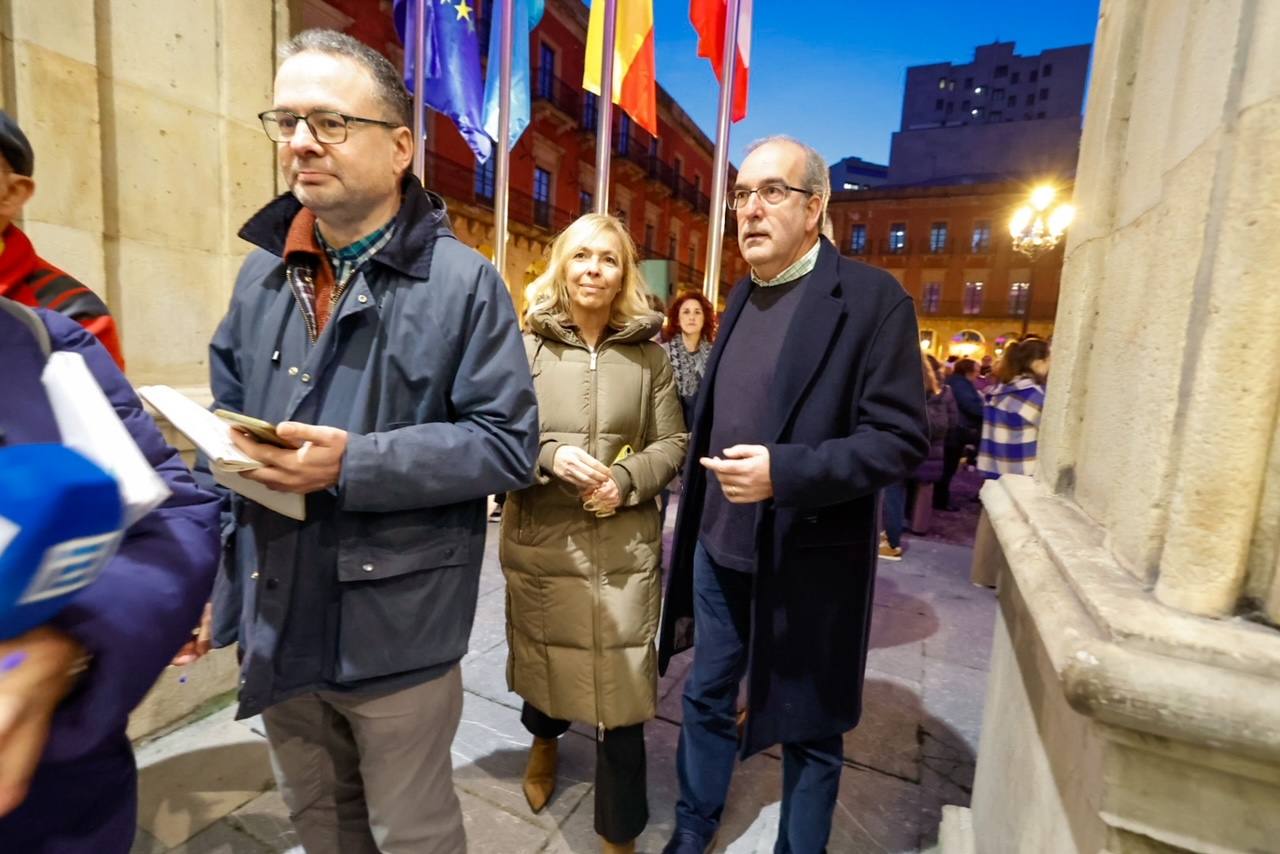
x=207, y=787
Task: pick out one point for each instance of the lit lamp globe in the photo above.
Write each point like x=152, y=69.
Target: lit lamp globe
x=1036, y=228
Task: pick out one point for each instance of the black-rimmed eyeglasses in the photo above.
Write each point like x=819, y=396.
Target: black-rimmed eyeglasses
x=326, y=126
x=770, y=194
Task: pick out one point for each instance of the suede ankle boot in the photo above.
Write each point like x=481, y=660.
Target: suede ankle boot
x=540, y=773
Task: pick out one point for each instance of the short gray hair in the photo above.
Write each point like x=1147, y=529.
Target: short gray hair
x=386, y=79
x=817, y=177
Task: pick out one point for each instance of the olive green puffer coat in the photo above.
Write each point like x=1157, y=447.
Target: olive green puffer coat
x=583, y=593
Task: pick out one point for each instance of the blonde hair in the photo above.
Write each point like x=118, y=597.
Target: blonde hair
x=550, y=291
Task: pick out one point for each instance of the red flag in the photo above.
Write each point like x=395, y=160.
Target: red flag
x=708, y=17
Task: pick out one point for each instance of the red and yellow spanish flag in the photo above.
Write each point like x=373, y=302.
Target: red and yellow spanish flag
x=635, y=80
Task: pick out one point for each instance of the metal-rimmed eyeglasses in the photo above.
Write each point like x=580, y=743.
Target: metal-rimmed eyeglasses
x=770, y=194
x=327, y=126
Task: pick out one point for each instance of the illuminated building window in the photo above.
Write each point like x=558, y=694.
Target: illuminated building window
x=858, y=240
x=981, y=241
x=585, y=202
x=898, y=237
x=1018, y=292
x=938, y=237
x=932, y=298
x=972, y=298
x=484, y=180
x=541, y=196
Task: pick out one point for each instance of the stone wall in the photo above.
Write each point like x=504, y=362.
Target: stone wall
x=149, y=155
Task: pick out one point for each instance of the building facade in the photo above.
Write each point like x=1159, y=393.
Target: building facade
x=998, y=116
x=659, y=185
x=854, y=173
x=949, y=246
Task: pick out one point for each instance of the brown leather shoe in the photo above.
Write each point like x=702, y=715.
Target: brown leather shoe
x=617, y=847
x=540, y=773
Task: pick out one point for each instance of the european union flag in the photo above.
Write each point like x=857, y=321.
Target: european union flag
x=453, y=84
x=525, y=14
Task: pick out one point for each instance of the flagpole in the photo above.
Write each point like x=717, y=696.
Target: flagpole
x=720, y=173
x=604, y=111
x=502, y=174
x=419, y=83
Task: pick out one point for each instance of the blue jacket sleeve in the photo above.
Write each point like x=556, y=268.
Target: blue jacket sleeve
x=889, y=440
x=144, y=604
x=490, y=445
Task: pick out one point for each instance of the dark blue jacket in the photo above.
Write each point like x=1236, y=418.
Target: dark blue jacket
x=423, y=365
x=132, y=618
x=968, y=401
x=847, y=416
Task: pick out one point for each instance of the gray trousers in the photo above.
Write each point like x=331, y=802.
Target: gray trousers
x=370, y=775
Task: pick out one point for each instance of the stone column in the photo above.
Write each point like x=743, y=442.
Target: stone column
x=1134, y=702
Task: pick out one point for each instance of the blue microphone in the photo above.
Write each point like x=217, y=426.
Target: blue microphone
x=61, y=519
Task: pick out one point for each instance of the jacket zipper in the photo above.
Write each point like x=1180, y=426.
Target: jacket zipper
x=595, y=575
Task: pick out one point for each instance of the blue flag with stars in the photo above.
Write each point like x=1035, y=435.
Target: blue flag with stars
x=451, y=59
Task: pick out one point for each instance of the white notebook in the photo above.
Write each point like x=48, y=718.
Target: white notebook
x=212, y=437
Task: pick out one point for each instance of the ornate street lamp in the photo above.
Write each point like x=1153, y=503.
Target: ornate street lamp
x=1036, y=228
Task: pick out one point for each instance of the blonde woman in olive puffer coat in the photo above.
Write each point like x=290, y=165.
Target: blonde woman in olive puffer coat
x=581, y=548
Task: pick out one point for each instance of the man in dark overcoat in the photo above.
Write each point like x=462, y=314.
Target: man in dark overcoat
x=812, y=402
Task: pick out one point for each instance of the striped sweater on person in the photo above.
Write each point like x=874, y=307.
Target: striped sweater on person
x=1010, y=427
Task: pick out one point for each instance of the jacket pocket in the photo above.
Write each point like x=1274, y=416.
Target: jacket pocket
x=407, y=591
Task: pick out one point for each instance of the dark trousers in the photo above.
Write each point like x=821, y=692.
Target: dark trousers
x=893, y=512
x=709, y=734
x=622, y=803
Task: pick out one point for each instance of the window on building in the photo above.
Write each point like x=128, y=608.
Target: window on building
x=1040, y=115
x=546, y=70
x=932, y=302
x=586, y=202
x=898, y=237
x=1031, y=99
x=950, y=106
x=672, y=243
x=624, y=131
x=858, y=240
x=964, y=106
x=1047, y=71
x=1013, y=101
x=1002, y=71
x=649, y=230
x=972, y=298
x=1033, y=76
x=484, y=180
x=942, y=82
x=968, y=83
x=1044, y=94
x=938, y=104
x=1014, y=77
x=938, y=237
x=981, y=241
x=693, y=255
x=997, y=94
x=677, y=166
x=1018, y=293
x=541, y=196
x=590, y=106
x=697, y=183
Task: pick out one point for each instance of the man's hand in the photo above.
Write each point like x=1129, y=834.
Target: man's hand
x=314, y=465
x=743, y=474
x=605, y=498
x=201, y=640
x=579, y=469
x=36, y=673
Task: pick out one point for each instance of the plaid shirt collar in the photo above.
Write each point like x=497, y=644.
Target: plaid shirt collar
x=348, y=259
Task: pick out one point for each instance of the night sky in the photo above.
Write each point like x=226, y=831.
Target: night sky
x=831, y=71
